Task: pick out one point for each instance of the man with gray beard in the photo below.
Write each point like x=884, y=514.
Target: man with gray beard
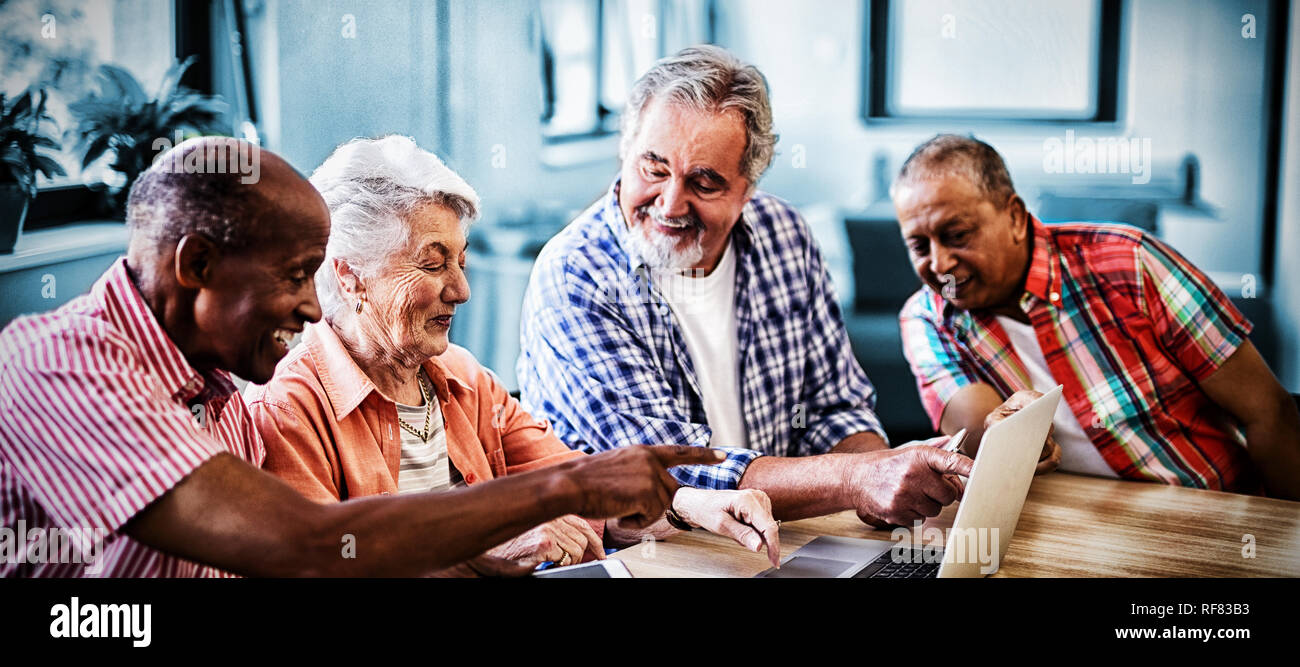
x=119, y=417
x=687, y=307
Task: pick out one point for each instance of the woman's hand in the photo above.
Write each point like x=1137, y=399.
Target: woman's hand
x=563, y=541
x=744, y=516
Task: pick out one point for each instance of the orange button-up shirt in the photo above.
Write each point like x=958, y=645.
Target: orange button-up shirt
x=332, y=436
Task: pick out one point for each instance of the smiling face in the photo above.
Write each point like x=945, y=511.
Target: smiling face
x=257, y=299
x=682, y=188
x=961, y=245
x=410, y=302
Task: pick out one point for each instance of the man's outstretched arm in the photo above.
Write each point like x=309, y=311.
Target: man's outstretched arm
x=230, y=515
x=897, y=486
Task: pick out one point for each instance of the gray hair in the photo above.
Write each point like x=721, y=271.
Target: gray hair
x=167, y=203
x=370, y=187
x=954, y=155
x=709, y=78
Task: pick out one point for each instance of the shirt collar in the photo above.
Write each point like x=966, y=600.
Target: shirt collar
x=1043, y=278
x=129, y=312
x=346, y=385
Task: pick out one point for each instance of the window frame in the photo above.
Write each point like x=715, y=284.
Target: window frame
x=607, y=120
x=549, y=91
x=875, y=75
x=73, y=203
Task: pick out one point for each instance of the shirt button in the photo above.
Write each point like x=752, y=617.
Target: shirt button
x=469, y=479
x=1054, y=296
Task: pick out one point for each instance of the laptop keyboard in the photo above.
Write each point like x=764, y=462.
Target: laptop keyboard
x=898, y=563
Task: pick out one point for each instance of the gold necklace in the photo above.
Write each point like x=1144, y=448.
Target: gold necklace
x=428, y=414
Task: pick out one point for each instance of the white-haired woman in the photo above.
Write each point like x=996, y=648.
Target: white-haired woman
x=377, y=401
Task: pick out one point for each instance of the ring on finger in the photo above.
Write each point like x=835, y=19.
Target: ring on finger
x=565, y=559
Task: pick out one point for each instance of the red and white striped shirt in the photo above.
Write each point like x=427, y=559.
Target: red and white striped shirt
x=99, y=417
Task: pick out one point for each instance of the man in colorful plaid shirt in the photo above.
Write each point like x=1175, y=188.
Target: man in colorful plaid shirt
x=686, y=307
x=1161, y=383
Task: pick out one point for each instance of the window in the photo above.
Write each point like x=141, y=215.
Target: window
x=59, y=44
x=1043, y=60
x=594, y=50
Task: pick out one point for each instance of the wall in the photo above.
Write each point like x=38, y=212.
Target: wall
x=1191, y=84
x=1286, y=286
x=1194, y=84
x=328, y=87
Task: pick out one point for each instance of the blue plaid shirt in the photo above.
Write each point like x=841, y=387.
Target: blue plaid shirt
x=603, y=359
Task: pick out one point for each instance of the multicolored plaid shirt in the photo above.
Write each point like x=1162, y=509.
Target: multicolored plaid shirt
x=604, y=360
x=1129, y=327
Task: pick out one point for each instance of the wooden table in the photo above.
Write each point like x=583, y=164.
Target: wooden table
x=1071, y=526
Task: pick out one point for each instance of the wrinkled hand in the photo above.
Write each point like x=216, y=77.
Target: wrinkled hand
x=939, y=442
x=958, y=482
x=568, y=534
x=1051, y=456
x=632, y=484
x=744, y=516
x=904, y=485
x=486, y=565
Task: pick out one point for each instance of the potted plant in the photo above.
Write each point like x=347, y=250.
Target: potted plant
x=122, y=118
x=22, y=136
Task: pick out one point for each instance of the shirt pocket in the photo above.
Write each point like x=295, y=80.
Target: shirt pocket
x=497, y=462
x=789, y=319
x=779, y=351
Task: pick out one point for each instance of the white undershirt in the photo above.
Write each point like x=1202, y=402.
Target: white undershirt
x=1078, y=454
x=706, y=310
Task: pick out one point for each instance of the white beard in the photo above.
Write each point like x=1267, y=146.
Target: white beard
x=659, y=251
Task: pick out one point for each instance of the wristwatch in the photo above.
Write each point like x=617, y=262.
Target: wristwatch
x=676, y=521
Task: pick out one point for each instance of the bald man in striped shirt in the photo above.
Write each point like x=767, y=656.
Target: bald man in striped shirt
x=120, y=425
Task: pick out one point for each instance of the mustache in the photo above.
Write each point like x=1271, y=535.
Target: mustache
x=655, y=214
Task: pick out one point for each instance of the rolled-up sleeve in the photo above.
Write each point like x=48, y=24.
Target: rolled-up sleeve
x=603, y=387
x=933, y=357
x=1193, y=318
x=613, y=396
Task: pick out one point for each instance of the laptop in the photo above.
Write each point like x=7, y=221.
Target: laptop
x=986, y=516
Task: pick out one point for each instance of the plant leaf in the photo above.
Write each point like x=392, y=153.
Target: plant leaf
x=95, y=149
x=15, y=160
x=49, y=167
x=122, y=119
x=126, y=85
x=21, y=171
x=22, y=106
x=43, y=141
x=172, y=79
